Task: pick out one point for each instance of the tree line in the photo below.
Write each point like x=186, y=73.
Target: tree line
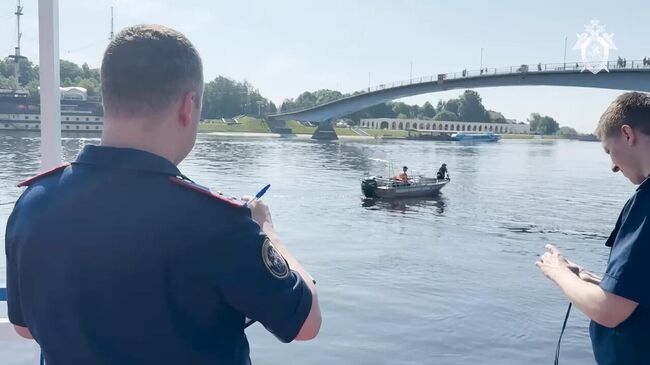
x=226, y=98
x=467, y=107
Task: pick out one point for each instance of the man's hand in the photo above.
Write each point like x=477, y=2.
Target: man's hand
x=575, y=268
x=551, y=263
x=260, y=212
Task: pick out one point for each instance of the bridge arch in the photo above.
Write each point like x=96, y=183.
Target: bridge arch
x=619, y=78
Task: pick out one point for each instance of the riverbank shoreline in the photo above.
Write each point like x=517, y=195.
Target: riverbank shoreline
x=356, y=137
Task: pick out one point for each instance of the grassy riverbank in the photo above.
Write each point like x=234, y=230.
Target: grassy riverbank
x=245, y=125
x=255, y=125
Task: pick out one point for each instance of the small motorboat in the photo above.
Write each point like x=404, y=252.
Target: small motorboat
x=476, y=137
x=389, y=188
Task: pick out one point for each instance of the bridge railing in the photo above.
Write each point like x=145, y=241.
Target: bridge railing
x=524, y=68
x=494, y=71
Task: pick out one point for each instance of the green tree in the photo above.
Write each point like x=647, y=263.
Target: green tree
x=496, y=117
x=272, y=108
x=445, y=116
x=542, y=124
x=287, y=105
x=415, y=111
x=325, y=96
x=452, y=105
x=567, y=132
x=91, y=86
x=28, y=71
x=402, y=109
x=5, y=82
x=533, y=121
x=471, y=108
x=428, y=111
x=548, y=125
x=383, y=110
x=440, y=106
x=70, y=71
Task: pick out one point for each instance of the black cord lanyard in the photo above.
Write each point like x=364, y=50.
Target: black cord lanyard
x=559, y=340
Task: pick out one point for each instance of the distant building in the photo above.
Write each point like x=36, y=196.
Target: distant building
x=344, y=123
x=510, y=127
x=74, y=93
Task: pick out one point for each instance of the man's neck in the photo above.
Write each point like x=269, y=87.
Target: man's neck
x=139, y=135
x=644, y=152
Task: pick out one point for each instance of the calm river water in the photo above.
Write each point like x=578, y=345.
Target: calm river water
x=445, y=281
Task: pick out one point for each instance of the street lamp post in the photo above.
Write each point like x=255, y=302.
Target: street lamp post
x=565, y=52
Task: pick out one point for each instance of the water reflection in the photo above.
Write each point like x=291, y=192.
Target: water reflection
x=436, y=203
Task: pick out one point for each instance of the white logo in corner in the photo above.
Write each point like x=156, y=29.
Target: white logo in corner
x=594, y=45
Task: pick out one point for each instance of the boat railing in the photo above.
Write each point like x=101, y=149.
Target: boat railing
x=9, y=335
x=413, y=180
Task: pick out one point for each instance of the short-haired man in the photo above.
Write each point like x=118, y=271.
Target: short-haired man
x=119, y=258
x=403, y=176
x=619, y=303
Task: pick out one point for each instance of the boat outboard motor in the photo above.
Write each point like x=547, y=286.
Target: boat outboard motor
x=369, y=186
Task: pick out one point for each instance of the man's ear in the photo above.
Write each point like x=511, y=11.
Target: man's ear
x=187, y=108
x=629, y=134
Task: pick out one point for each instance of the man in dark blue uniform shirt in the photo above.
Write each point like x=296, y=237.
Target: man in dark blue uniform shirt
x=118, y=258
x=619, y=303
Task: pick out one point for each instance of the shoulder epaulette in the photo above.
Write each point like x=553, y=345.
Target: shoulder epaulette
x=204, y=190
x=42, y=175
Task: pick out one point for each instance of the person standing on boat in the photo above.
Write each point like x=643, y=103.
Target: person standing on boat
x=443, y=173
x=119, y=258
x=618, y=304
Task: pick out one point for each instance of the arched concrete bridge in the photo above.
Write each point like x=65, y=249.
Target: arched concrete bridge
x=634, y=76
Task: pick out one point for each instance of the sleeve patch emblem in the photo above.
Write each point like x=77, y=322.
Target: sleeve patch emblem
x=274, y=262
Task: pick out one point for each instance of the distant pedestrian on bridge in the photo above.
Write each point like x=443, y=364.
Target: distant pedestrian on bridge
x=618, y=304
x=119, y=258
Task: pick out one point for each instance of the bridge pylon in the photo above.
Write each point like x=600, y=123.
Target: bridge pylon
x=325, y=131
x=278, y=126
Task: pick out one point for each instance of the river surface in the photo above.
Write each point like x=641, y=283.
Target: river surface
x=449, y=280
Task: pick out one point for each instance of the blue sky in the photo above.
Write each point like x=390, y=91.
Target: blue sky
x=286, y=47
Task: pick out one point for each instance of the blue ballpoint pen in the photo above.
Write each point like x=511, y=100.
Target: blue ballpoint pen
x=257, y=196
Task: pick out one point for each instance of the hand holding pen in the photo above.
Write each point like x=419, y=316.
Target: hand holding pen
x=259, y=211
x=257, y=196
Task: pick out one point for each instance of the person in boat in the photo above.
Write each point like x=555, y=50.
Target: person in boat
x=403, y=176
x=618, y=304
x=443, y=173
x=119, y=258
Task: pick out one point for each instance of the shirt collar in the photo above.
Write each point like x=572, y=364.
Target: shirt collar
x=126, y=158
x=644, y=184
